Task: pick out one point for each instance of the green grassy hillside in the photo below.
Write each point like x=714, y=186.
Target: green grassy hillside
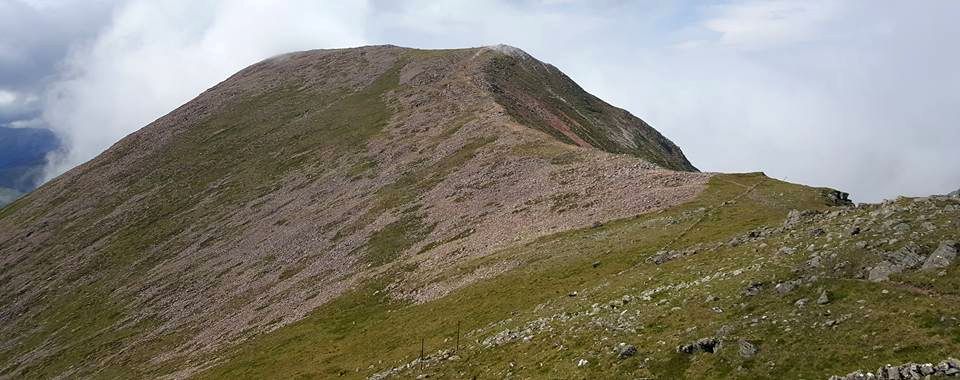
x=580, y=294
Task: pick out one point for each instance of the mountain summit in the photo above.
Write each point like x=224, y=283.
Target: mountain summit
x=389, y=212
x=301, y=176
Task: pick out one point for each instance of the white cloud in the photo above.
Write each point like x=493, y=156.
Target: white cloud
x=863, y=101
x=17, y=108
x=757, y=24
x=27, y=123
x=7, y=97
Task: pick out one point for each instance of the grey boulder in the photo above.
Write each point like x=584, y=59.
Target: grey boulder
x=747, y=350
x=882, y=271
x=945, y=254
x=910, y=256
x=626, y=351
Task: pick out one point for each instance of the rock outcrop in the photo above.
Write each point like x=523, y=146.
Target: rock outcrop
x=942, y=257
x=704, y=345
x=909, y=371
x=910, y=256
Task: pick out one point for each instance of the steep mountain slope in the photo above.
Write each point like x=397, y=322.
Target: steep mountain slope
x=329, y=213
x=293, y=181
x=539, y=95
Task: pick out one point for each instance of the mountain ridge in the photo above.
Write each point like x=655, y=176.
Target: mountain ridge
x=328, y=213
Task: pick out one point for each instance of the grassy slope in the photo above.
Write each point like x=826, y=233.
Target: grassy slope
x=87, y=321
x=365, y=332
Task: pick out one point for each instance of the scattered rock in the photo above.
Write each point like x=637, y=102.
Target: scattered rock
x=882, y=271
x=786, y=250
x=626, y=351
x=708, y=345
x=902, y=227
x=725, y=330
x=815, y=262
x=854, y=231
x=907, y=371
x=942, y=257
x=824, y=298
x=785, y=287
x=572, y=294
x=753, y=289
x=839, y=198
x=596, y=264
x=890, y=372
x=747, y=350
x=582, y=363
x=818, y=232
x=952, y=364
x=927, y=369
x=794, y=217
x=908, y=257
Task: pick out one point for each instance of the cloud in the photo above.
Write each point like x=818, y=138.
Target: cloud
x=863, y=99
x=16, y=109
x=756, y=24
x=35, y=36
x=7, y=98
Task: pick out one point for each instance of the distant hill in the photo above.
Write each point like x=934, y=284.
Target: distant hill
x=23, y=155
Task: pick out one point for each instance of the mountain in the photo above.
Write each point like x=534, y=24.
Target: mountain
x=22, y=158
x=333, y=213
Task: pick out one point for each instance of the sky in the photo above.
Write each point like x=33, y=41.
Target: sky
x=858, y=95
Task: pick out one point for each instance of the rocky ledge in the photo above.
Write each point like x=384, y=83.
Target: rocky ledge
x=946, y=368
